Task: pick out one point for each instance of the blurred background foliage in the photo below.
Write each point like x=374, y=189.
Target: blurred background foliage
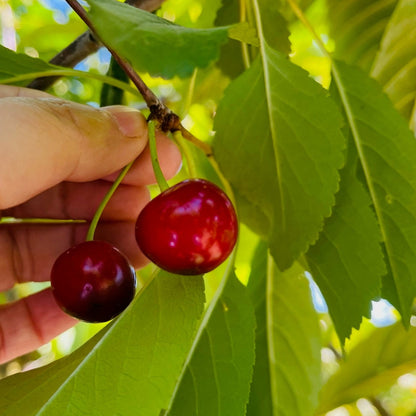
x=43, y=28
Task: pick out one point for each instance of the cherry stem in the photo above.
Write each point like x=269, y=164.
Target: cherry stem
x=190, y=162
x=108, y=195
x=161, y=181
x=205, y=147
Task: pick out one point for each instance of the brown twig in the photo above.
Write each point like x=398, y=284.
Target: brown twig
x=168, y=121
x=85, y=45
x=158, y=110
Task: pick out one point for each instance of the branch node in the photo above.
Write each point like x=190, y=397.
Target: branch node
x=167, y=120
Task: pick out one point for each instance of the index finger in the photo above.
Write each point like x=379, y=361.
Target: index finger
x=14, y=91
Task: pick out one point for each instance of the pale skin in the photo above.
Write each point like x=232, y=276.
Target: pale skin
x=57, y=161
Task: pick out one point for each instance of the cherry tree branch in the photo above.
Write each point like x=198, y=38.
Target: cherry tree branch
x=85, y=45
x=168, y=120
x=157, y=108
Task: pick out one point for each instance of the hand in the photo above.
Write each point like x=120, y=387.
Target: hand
x=57, y=161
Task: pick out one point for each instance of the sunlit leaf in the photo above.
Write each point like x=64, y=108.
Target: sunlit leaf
x=134, y=364
x=357, y=27
x=217, y=373
x=12, y=64
x=260, y=402
x=274, y=28
x=372, y=366
x=19, y=69
x=231, y=57
x=278, y=141
x=153, y=44
x=286, y=379
x=386, y=149
x=395, y=66
x=347, y=260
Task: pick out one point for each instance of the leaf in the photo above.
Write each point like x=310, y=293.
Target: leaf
x=217, y=374
x=287, y=373
x=244, y=33
x=12, y=64
x=347, y=261
x=287, y=11
x=273, y=26
x=253, y=215
x=278, y=141
x=26, y=393
x=153, y=44
x=357, y=26
x=372, y=366
x=231, y=59
x=386, y=150
x=110, y=95
x=134, y=364
x=18, y=69
x=395, y=65
x=201, y=13
x=260, y=402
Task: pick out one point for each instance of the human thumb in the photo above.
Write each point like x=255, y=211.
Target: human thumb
x=44, y=141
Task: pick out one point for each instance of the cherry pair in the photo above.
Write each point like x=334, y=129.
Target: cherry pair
x=189, y=229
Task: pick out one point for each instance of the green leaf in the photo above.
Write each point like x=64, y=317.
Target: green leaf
x=273, y=26
x=12, y=64
x=386, y=149
x=260, y=402
x=200, y=13
x=217, y=374
x=244, y=33
x=26, y=393
x=395, y=66
x=357, y=26
x=278, y=141
x=347, y=261
x=153, y=44
x=18, y=69
x=287, y=11
x=231, y=54
x=371, y=367
x=231, y=58
x=134, y=364
x=252, y=214
x=287, y=373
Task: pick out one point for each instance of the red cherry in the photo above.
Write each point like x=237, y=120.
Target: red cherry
x=189, y=229
x=93, y=281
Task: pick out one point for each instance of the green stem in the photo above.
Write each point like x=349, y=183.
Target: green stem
x=109, y=194
x=72, y=73
x=190, y=162
x=161, y=181
x=224, y=181
x=193, y=171
x=187, y=135
x=190, y=94
x=244, y=46
x=13, y=220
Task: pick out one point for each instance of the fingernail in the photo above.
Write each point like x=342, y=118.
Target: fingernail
x=131, y=122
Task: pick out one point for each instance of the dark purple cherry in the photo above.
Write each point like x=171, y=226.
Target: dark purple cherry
x=93, y=281
x=188, y=229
